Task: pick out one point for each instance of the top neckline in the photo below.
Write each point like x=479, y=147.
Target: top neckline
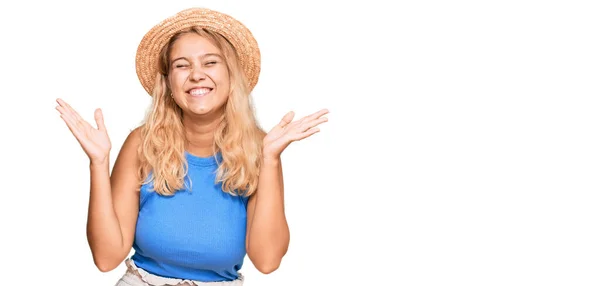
x=203, y=161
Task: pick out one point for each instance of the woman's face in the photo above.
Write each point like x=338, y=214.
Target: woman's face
x=198, y=75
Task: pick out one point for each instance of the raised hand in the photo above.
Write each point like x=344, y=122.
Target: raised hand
x=287, y=132
x=94, y=141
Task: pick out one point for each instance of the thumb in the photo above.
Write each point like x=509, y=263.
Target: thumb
x=99, y=119
x=286, y=119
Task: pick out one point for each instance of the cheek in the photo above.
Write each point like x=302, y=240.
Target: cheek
x=177, y=79
x=221, y=76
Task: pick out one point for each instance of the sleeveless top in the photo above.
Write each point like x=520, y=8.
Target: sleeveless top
x=196, y=234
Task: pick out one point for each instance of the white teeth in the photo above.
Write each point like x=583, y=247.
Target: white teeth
x=199, y=91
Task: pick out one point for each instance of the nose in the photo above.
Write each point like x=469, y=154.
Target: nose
x=197, y=74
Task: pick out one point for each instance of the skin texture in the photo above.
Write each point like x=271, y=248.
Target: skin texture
x=114, y=198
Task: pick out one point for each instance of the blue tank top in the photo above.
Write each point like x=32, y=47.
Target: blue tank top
x=198, y=234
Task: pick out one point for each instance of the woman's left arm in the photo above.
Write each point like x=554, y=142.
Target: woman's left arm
x=267, y=232
x=268, y=235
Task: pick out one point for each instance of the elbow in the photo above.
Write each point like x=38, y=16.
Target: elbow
x=270, y=267
x=107, y=259
x=265, y=263
x=105, y=267
x=266, y=259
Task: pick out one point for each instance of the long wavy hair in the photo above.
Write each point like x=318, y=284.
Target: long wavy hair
x=238, y=137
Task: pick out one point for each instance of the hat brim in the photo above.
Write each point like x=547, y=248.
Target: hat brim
x=244, y=43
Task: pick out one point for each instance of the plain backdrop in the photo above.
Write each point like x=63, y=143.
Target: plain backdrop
x=462, y=146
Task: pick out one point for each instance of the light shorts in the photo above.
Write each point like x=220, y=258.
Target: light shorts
x=136, y=276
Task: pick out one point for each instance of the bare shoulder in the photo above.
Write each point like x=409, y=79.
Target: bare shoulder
x=133, y=140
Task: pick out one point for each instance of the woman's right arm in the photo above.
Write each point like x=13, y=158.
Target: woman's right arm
x=114, y=206
x=114, y=199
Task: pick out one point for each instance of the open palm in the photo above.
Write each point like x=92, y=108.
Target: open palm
x=94, y=141
x=288, y=131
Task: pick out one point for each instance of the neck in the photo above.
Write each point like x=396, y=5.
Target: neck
x=200, y=134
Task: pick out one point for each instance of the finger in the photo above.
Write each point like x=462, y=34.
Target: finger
x=77, y=121
x=306, y=134
x=67, y=116
x=286, y=119
x=81, y=139
x=318, y=114
x=77, y=127
x=60, y=109
x=72, y=127
x=72, y=123
x=310, y=124
x=68, y=112
x=69, y=109
x=99, y=117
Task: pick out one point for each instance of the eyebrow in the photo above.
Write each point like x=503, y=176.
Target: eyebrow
x=203, y=56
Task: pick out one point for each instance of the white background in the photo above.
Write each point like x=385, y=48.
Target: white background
x=462, y=147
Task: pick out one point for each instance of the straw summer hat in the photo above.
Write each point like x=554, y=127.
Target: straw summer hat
x=147, y=57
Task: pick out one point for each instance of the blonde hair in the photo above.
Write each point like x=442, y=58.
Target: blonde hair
x=238, y=137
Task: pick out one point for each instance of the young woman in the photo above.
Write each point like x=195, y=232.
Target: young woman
x=199, y=184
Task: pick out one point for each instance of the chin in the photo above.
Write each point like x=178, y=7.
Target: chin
x=203, y=109
x=200, y=111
